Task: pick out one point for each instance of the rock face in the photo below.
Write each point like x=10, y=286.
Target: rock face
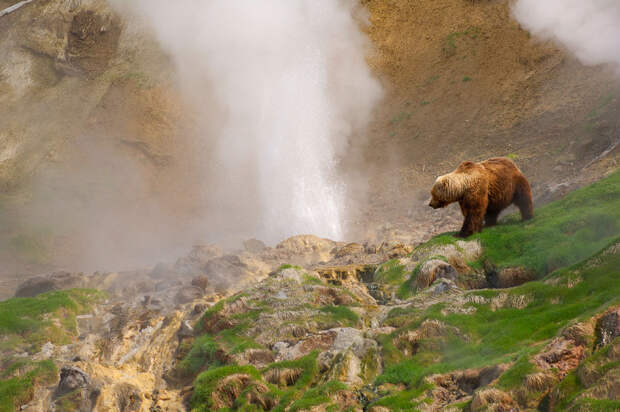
x=54, y=281
x=608, y=327
x=433, y=270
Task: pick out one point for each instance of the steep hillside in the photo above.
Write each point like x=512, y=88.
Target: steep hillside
x=465, y=82
x=524, y=316
x=89, y=99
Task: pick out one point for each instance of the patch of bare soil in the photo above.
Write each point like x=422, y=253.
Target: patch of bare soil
x=465, y=82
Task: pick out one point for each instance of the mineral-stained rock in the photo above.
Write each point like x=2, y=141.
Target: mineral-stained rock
x=128, y=397
x=561, y=355
x=71, y=378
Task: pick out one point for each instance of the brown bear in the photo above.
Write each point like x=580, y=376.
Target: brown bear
x=483, y=190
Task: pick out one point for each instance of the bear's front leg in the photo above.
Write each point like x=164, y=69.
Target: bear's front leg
x=474, y=218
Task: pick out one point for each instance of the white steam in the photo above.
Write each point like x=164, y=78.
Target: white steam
x=282, y=86
x=589, y=28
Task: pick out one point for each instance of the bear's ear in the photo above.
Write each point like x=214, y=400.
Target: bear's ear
x=465, y=165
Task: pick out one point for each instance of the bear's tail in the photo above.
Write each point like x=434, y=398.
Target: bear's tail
x=523, y=198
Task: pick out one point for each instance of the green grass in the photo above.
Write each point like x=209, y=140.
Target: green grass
x=201, y=356
x=18, y=390
x=466, y=79
x=507, y=334
x=391, y=272
x=562, y=233
x=317, y=396
x=27, y=318
x=206, y=382
x=341, y=314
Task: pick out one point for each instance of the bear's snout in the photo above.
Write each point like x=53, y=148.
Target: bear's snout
x=433, y=203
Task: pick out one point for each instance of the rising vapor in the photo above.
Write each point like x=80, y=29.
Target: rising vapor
x=589, y=28
x=284, y=85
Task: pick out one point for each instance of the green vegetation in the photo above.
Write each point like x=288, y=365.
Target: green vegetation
x=27, y=322
x=19, y=389
x=391, y=272
x=206, y=382
x=341, y=314
x=317, y=396
x=506, y=334
x=562, y=233
x=201, y=356
x=466, y=79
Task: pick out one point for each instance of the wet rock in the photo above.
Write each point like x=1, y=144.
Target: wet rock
x=608, y=327
x=46, y=283
x=435, y=269
x=442, y=286
x=186, y=330
x=71, y=378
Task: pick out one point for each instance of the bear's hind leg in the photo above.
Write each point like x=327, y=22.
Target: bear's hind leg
x=490, y=219
x=523, y=199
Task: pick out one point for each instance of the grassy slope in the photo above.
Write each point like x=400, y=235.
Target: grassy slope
x=563, y=233
x=25, y=324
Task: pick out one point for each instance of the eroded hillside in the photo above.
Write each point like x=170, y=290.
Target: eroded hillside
x=523, y=316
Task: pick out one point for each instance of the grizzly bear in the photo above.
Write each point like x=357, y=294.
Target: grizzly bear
x=483, y=190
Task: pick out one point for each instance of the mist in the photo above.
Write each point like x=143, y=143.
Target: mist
x=281, y=90
x=589, y=29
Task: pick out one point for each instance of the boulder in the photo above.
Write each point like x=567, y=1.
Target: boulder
x=187, y=294
x=46, y=283
x=434, y=269
x=201, y=282
x=254, y=246
x=608, y=327
x=71, y=378
x=508, y=277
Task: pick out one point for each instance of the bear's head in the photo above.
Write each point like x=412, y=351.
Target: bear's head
x=444, y=192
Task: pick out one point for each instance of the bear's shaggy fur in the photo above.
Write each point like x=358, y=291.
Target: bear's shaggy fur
x=483, y=190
